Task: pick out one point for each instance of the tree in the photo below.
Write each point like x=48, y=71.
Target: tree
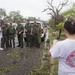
x=16, y=16
x=70, y=13
x=32, y=18
x=2, y=13
x=60, y=27
x=54, y=11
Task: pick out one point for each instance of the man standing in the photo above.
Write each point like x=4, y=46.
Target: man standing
x=5, y=35
x=39, y=35
x=11, y=32
x=19, y=31
x=36, y=35
x=28, y=33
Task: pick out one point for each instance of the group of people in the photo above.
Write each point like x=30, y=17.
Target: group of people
x=8, y=33
x=33, y=34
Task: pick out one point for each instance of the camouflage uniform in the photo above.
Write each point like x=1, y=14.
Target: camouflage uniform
x=20, y=30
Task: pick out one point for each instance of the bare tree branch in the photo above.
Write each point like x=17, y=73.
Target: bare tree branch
x=50, y=4
x=55, y=11
x=61, y=5
x=50, y=14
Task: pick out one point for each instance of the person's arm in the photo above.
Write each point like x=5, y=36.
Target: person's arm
x=31, y=30
x=17, y=30
x=54, y=43
x=0, y=30
x=22, y=30
x=25, y=30
x=14, y=31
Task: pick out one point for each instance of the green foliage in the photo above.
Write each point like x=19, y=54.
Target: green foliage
x=16, y=16
x=2, y=12
x=46, y=58
x=15, y=54
x=60, y=25
x=70, y=12
x=40, y=71
x=8, y=68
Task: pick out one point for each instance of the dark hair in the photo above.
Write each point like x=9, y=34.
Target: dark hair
x=69, y=25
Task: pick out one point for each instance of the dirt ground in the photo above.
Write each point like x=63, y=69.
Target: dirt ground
x=19, y=61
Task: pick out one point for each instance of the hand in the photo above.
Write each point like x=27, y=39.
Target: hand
x=55, y=41
x=19, y=32
x=30, y=33
x=25, y=30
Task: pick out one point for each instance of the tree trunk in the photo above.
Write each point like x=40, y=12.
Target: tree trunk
x=59, y=34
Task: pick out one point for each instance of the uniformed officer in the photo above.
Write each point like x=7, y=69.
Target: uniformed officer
x=32, y=36
x=19, y=31
x=5, y=35
x=11, y=32
x=36, y=34
x=28, y=33
x=39, y=35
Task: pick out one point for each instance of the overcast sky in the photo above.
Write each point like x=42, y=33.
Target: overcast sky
x=27, y=8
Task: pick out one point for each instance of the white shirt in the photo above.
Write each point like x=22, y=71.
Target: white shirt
x=65, y=52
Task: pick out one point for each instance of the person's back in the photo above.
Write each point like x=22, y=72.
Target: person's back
x=65, y=55
x=65, y=50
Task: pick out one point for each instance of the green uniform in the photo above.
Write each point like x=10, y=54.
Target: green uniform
x=28, y=36
x=39, y=36
x=11, y=32
x=36, y=35
x=4, y=36
x=7, y=35
x=31, y=37
x=20, y=36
